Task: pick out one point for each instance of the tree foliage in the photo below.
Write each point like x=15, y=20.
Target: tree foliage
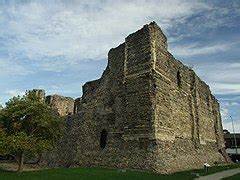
x=28, y=126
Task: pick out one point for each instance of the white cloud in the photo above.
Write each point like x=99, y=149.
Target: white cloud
x=195, y=49
x=226, y=104
x=234, y=98
x=56, y=34
x=228, y=126
x=78, y=30
x=224, y=113
x=9, y=68
x=14, y=92
x=225, y=88
x=223, y=78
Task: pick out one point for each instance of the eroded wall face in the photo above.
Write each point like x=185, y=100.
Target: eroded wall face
x=63, y=105
x=139, y=122
x=187, y=121
x=147, y=111
x=120, y=104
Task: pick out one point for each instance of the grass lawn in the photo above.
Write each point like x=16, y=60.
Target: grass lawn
x=103, y=174
x=235, y=177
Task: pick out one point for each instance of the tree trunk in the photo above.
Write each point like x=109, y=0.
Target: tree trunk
x=20, y=162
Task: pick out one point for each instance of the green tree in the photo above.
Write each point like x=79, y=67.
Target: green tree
x=28, y=126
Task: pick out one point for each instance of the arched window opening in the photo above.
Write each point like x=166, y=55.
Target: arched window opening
x=103, y=139
x=179, y=81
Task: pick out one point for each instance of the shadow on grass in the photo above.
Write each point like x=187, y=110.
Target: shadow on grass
x=4, y=170
x=234, y=177
x=106, y=174
x=212, y=170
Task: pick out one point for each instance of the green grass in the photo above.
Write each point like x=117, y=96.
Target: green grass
x=103, y=174
x=235, y=177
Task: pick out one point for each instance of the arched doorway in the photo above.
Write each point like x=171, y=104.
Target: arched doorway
x=103, y=139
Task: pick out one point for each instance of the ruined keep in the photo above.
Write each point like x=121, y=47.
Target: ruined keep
x=148, y=111
x=63, y=105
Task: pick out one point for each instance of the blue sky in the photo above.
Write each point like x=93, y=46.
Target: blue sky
x=58, y=45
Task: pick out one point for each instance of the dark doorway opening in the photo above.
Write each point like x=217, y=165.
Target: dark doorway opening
x=103, y=139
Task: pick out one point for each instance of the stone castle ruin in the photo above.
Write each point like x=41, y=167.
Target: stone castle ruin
x=148, y=111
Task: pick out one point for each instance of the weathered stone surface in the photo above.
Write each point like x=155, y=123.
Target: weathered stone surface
x=39, y=93
x=158, y=114
x=63, y=105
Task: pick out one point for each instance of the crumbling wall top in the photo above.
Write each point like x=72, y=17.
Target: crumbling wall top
x=63, y=105
x=40, y=93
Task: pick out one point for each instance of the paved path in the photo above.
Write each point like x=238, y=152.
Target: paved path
x=220, y=175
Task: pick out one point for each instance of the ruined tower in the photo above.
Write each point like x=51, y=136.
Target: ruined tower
x=148, y=111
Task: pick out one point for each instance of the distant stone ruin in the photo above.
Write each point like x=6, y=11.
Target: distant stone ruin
x=148, y=111
x=62, y=105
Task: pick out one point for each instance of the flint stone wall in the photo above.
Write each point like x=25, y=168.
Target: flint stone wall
x=63, y=105
x=158, y=114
